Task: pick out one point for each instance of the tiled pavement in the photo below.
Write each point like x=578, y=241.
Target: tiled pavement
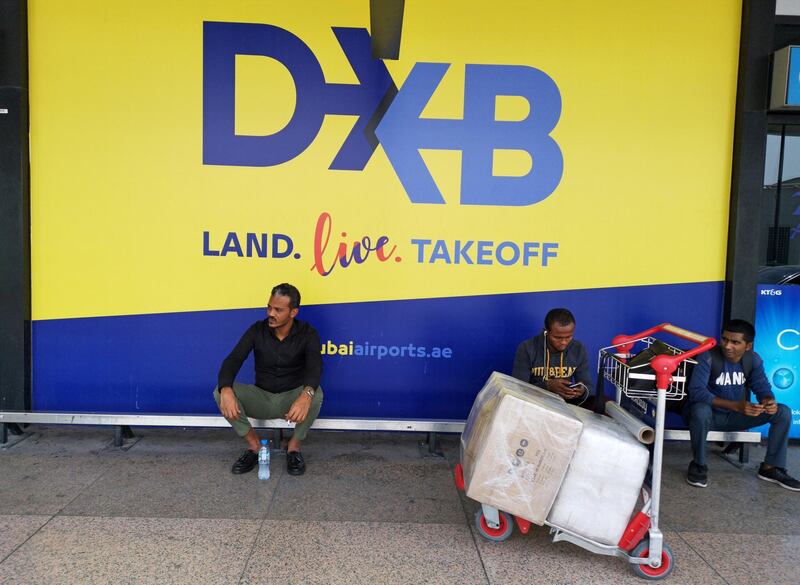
x=371, y=509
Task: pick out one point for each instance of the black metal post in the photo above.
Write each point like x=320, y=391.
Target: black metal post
x=15, y=292
x=430, y=444
x=277, y=440
x=749, y=154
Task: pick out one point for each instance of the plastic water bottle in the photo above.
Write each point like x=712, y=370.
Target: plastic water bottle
x=263, y=460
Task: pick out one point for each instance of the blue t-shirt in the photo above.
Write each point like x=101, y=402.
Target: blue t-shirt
x=730, y=383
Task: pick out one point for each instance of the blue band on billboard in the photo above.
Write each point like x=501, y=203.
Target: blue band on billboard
x=423, y=358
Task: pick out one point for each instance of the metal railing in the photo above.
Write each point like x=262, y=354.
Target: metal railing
x=330, y=424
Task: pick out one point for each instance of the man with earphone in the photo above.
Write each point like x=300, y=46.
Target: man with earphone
x=556, y=361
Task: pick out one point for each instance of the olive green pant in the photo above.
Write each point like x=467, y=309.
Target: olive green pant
x=260, y=404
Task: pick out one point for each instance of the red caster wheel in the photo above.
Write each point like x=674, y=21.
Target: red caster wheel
x=498, y=534
x=646, y=571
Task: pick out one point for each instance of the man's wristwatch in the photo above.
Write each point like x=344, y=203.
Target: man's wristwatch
x=310, y=391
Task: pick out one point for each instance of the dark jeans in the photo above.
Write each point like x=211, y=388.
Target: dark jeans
x=702, y=418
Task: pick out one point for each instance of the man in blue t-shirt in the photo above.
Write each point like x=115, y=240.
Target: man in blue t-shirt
x=719, y=403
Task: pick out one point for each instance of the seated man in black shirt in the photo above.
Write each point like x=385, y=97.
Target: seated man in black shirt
x=288, y=366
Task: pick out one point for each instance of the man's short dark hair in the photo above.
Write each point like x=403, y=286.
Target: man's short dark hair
x=287, y=290
x=561, y=316
x=741, y=326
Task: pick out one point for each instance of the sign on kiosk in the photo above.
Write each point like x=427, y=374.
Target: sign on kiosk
x=785, y=94
x=778, y=344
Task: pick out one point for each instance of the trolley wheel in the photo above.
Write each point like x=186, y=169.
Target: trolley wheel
x=646, y=571
x=498, y=534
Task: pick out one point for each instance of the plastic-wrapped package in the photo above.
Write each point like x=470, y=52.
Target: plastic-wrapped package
x=602, y=484
x=516, y=447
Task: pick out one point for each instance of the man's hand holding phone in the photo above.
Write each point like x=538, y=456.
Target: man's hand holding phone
x=566, y=389
x=579, y=388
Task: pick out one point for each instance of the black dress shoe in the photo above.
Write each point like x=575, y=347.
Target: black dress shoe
x=295, y=465
x=245, y=463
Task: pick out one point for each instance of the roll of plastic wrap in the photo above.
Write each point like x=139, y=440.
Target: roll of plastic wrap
x=645, y=434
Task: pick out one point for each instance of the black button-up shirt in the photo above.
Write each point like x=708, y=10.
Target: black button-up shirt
x=280, y=365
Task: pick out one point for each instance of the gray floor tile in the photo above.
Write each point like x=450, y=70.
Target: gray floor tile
x=358, y=490
x=678, y=454
x=31, y=484
x=353, y=481
x=132, y=550
x=12, y=440
x=333, y=553
x=450, y=446
x=14, y=530
x=533, y=557
x=197, y=486
x=167, y=442
x=320, y=445
x=735, y=501
x=366, y=446
x=746, y=558
x=44, y=440
x=326, y=446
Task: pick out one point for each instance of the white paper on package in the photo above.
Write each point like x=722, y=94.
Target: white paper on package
x=600, y=490
x=516, y=447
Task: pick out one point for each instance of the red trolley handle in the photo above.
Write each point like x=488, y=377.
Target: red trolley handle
x=665, y=365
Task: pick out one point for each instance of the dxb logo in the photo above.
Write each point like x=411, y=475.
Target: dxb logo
x=386, y=114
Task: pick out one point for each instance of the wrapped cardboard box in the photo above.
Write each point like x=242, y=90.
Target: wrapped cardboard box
x=600, y=490
x=516, y=447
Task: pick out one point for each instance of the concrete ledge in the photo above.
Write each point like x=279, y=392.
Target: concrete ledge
x=210, y=420
x=716, y=436
x=333, y=424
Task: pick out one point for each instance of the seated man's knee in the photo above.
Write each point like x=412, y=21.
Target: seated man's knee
x=784, y=413
x=700, y=411
x=218, y=398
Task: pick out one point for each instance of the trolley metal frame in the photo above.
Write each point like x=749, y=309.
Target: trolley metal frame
x=645, y=549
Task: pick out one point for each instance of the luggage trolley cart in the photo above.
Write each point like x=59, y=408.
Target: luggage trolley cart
x=642, y=543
